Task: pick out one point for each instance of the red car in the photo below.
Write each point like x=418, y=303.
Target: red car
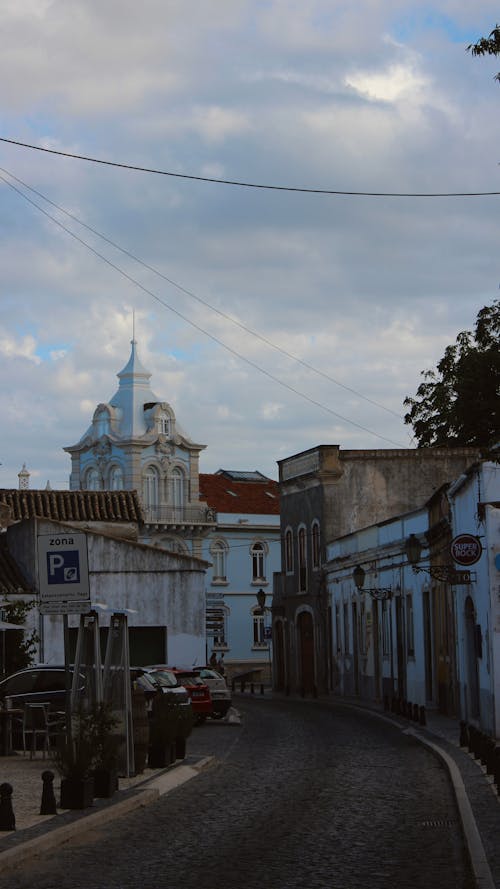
x=198, y=691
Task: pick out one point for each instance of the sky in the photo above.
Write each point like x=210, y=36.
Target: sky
x=271, y=319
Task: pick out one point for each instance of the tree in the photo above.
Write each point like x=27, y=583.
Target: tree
x=458, y=403
x=487, y=46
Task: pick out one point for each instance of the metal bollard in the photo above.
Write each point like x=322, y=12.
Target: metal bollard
x=496, y=768
x=7, y=817
x=464, y=734
x=416, y=713
x=262, y=688
x=242, y=685
x=48, y=805
x=252, y=688
x=422, y=719
x=386, y=702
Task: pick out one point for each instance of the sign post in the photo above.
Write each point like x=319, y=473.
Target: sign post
x=63, y=576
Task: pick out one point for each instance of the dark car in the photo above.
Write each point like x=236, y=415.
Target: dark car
x=44, y=683
x=151, y=681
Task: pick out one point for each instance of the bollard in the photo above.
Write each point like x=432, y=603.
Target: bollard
x=416, y=713
x=490, y=756
x=7, y=818
x=422, y=720
x=496, y=769
x=386, y=702
x=48, y=805
x=242, y=685
x=233, y=685
x=252, y=688
x=464, y=734
x=262, y=688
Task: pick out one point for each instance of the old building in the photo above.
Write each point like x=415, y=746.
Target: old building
x=325, y=494
x=244, y=552
x=231, y=519
x=163, y=591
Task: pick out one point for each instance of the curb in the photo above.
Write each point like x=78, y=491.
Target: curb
x=158, y=786
x=479, y=863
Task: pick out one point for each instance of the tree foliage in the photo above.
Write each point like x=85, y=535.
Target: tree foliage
x=458, y=403
x=20, y=647
x=487, y=46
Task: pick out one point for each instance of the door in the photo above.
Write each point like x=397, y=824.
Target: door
x=306, y=648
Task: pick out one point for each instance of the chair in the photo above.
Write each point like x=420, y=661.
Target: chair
x=38, y=722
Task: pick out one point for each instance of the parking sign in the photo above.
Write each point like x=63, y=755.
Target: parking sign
x=63, y=573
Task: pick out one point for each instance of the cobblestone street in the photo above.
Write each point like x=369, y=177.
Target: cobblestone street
x=301, y=795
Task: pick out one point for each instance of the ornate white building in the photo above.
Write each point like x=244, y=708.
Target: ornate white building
x=135, y=443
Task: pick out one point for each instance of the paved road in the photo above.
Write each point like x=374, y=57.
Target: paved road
x=302, y=795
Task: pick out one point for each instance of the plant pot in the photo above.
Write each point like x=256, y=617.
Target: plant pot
x=105, y=783
x=77, y=793
x=159, y=757
x=180, y=748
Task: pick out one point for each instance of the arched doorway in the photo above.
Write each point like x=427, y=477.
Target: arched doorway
x=471, y=657
x=306, y=652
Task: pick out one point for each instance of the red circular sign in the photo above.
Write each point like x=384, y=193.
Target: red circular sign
x=466, y=549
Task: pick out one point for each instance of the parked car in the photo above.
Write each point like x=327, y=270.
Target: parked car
x=44, y=683
x=151, y=681
x=197, y=689
x=220, y=694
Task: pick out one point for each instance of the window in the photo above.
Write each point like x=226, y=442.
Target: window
x=302, y=560
x=315, y=546
x=410, y=639
x=338, y=638
x=177, y=489
x=259, y=640
x=258, y=563
x=218, y=552
x=163, y=424
x=386, y=646
x=116, y=479
x=346, y=628
x=289, y=551
x=150, y=487
x=93, y=480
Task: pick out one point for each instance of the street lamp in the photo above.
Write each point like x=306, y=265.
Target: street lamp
x=443, y=573
x=358, y=576
x=261, y=600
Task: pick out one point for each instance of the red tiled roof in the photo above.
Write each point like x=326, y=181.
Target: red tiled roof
x=72, y=506
x=227, y=495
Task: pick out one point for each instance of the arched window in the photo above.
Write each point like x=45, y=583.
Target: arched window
x=315, y=545
x=150, y=487
x=258, y=563
x=178, y=492
x=289, y=551
x=218, y=552
x=302, y=559
x=92, y=480
x=116, y=479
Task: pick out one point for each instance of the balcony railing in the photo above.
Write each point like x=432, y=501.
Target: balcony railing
x=179, y=515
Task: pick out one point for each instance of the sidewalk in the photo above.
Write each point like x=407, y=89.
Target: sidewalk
x=477, y=798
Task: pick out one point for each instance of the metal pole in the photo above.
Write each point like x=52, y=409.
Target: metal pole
x=67, y=677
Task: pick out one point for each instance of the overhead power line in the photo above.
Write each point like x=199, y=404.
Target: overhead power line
x=242, y=184
x=176, y=312
x=202, y=301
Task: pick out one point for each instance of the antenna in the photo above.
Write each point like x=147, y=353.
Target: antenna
x=133, y=325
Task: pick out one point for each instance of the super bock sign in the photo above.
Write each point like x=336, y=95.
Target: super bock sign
x=63, y=573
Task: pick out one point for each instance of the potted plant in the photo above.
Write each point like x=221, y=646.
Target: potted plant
x=74, y=758
x=106, y=742
x=165, y=714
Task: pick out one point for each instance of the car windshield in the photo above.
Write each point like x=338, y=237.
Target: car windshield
x=211, y=674
x=189, y=679
x=164, y=678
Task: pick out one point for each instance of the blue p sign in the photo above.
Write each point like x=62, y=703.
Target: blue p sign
x=63, y=567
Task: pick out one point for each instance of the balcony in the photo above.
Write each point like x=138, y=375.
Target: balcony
x=179, y=516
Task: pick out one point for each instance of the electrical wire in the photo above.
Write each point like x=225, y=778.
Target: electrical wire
x=241, y=184
x=197, y=327
x=202, y=301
